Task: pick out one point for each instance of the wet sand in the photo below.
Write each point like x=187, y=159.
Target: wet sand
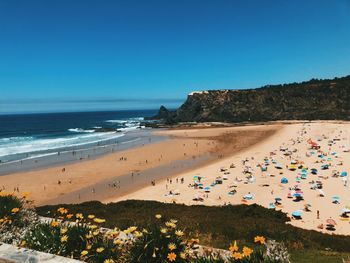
x=115, y=175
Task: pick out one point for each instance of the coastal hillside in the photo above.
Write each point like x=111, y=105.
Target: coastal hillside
x=310, y=100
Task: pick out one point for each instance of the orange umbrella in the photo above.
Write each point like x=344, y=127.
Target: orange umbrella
x=331, y=221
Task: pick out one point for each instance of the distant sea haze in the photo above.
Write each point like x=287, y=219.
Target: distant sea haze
x=32, y=135
x=19, y=106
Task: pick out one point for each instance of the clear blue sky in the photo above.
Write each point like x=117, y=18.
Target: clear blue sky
x=99, y=54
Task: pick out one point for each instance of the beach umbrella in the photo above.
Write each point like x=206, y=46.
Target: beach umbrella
x=207, y=189
x=232, y=192
x=248, y=197
x=284, y=180
x=278, y=166
x=321, y=192
x=331, y=221
x=292, y=167
x=324, y=166
x=297, y=195
x=278, y=199
x=272, y=206
x=335, y=197
x=345, y=210
x=314, y=171
x=297, y=213
x=343, y=174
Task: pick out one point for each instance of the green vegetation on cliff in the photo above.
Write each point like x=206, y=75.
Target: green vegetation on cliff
x=309, y=100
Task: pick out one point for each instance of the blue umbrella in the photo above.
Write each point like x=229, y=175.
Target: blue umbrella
x=297, y=213
x=207, y=189
x=272, y=206
x=248, y=197
x=284, y=180
x=343, y=174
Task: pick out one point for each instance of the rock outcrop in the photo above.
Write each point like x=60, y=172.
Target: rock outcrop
x=311, y=100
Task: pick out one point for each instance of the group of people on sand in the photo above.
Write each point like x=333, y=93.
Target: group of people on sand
x=303, y=164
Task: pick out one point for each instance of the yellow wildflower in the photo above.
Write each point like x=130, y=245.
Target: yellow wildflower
x=63, y=230
x=79, y=216
x=15, y=210
x=55, y=223
x=172, y=246
x=259, y=239
x=69, y=216
x=183, y=255
x=247, y=251
x=84, y=252
x=237, y=255
x=158, y=216
x=171, y=256
x=23, y=243
x=118, y=242
x=62, y=210
x=108, y=261
x=130, y=230
x=179, y=233
x=100, y=249
x=91, y=216
x=233, y=247
x=64, y=238
x=170, y=224
x=137, y=234
x=99, y=220
x=163, y=230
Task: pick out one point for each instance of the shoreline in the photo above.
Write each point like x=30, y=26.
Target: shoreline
x=136, y=138
x=92, y=179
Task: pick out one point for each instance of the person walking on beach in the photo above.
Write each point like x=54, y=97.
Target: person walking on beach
x=318, y=214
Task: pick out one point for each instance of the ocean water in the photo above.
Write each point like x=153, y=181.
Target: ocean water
x=30, y=136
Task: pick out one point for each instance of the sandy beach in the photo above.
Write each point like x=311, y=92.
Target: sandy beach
x=276, y=165
x=115, y=175
x=254, y=175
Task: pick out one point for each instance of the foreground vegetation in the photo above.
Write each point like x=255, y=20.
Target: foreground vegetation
x=247, y=233
x=218, y=226
x=82, y=236
x=215, y=226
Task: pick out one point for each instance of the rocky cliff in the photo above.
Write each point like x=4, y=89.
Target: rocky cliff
x=311, y=100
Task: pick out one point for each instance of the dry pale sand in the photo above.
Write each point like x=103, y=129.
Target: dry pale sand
x=114, y=175
x=266, y=185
